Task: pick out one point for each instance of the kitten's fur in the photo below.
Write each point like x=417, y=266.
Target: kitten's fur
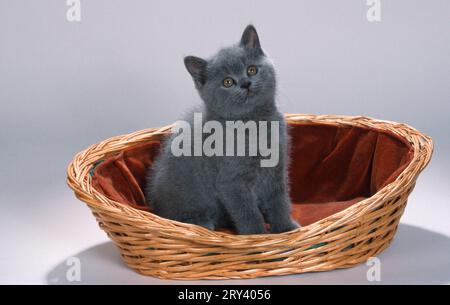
x=229, y=191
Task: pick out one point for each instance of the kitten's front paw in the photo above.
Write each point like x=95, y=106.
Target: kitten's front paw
x=250, y=230
x=294, y=225
x=289, y=226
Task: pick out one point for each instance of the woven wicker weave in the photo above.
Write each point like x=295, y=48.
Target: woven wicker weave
x=168, y=249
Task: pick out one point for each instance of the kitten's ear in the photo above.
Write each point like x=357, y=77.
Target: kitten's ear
x=196, y=66
x=250, y=38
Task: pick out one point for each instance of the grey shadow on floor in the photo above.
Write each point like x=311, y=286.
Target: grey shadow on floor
x=416, y=256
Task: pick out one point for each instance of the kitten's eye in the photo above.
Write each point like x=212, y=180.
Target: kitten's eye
x=252, y=70
x=228, y=82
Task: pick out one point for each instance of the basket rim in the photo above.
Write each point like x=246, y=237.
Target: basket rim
x=79, y=180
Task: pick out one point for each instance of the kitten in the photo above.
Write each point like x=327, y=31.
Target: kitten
x=238, y=83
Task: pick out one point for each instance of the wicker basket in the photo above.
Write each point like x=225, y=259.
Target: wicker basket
x=168, y=249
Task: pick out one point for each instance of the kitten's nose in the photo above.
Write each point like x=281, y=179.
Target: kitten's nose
x=246, y=84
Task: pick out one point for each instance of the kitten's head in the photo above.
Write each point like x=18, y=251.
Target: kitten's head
x=237, y=80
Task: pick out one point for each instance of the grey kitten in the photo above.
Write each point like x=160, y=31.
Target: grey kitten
x=238, y=83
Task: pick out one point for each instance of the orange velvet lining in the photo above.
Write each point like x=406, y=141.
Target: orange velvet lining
x=331, y=168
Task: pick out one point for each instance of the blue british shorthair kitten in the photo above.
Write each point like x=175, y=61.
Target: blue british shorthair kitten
x=236, y=84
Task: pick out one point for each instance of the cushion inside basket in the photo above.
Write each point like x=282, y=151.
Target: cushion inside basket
x=332, y=167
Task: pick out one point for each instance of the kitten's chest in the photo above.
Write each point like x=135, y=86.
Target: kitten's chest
x=246, y=170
